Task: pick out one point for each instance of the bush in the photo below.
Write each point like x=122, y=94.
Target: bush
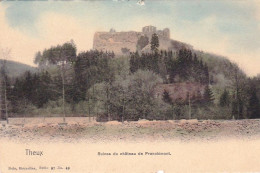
x=212, y=112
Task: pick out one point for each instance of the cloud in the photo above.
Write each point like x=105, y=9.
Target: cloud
x=256, y=3
x=234, y=37
x=205, y=35
x=57, y=28
x=53, y=29
x=257, y=7
x=14, y=39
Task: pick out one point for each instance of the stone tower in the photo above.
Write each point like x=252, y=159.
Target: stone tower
x=166, y=32
x=149, y=29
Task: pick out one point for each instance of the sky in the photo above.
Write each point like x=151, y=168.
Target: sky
x=223, y=27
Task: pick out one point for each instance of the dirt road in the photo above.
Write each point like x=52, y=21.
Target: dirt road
x=78, y=129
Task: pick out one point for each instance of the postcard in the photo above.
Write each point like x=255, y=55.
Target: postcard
x=129, y=86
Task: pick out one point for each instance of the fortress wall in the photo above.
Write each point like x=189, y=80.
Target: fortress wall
x=115, y=41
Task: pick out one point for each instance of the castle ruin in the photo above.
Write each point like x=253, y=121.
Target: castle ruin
x=118, y=41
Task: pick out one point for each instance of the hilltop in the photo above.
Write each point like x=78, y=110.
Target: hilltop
x=15, y=69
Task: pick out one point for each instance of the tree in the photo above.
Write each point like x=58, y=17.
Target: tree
x=130, y=98
x=91, y=67
x=166, y=97
x=4, y=81
x=155, y=43
x=141, y=102
x=62, y=56
x=142, y=42
x=134, y=62
x=239, y=90
x=38, y=59
x=224, y=99
x=208, y=96
x=254, y=104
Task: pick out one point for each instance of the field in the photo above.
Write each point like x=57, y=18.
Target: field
x=87, y=129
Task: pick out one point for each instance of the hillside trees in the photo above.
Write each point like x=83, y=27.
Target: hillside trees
x=185, y=66
x=62, y=56
x=32, y=89
x=253, y=109
x=208, y=96
x=254, y=105
x=132, y=98
x=122, y=88
x=224, y=100
x=90, y=68
x=240, y=98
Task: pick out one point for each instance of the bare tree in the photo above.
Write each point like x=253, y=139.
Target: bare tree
x=5, y=54
x=238, y=85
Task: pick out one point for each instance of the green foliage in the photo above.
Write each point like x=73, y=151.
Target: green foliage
x=166, y=97
x=120, y=66
x=187, y=67
x=90, y=68
x=211, y=112
x=184, y=67
x=221, y=69
x=254, y=104
x=155, y=43
x=55, y=107
x=4, y=91
x=208, y=96
x=58, y=55
x=36, y=89
x=15, y=69
x=224, y=99
x=131, y=98
x=122, y=88
x=179, y=111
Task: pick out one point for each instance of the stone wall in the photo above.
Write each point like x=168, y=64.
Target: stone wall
x=115, y=41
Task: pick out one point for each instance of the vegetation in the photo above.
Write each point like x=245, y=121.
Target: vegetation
x=142, y=42
x=62, y=57
x=15, y=69
x=155, y=43
x=95, y=83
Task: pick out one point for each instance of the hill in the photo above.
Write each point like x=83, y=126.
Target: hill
x=15, y=69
